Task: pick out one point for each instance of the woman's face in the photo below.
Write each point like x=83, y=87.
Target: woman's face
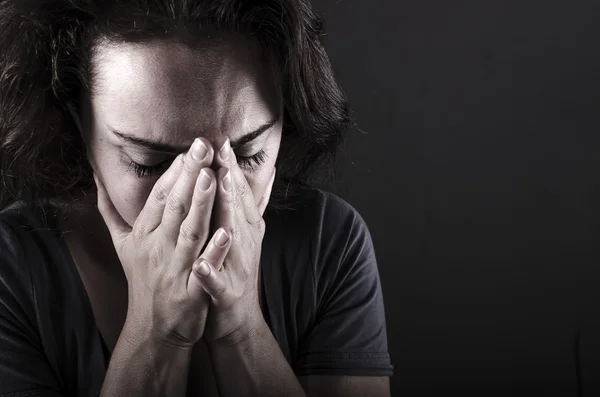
x=151, y=100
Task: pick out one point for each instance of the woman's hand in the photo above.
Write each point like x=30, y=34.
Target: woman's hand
x=166, y=300
x=234, y=287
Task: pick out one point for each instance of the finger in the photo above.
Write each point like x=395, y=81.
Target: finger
x=223, y=208
x=210, y=261
x=208, y=279
x=264, y=201
x=180, y=197
x=241, y=189
x=151, y=215
x=216, y=249
x=117, y=226
x=194, y=230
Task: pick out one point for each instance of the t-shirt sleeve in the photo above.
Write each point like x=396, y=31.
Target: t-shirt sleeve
x=348, y=335
x=24, y=370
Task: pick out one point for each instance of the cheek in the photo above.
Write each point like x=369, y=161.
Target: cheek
x=127, y=192
x=257, y=184
x=134, y=199
x=260, y=179
x=127, y=199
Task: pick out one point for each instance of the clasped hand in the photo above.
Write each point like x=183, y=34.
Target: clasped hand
x=192, y=256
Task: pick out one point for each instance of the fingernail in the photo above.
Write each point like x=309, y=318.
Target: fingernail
x=225, y=150
x=227, y=181
x=204, y=180
x=203, y=268
x=199, y=150
x=222, y=238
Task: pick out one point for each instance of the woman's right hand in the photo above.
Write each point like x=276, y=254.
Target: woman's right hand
x=166, y=300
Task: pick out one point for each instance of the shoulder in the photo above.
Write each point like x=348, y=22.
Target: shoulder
x=322, y=211
x=333, y=237
x=29, y=255
x=40, y=318
x=335, y=209
x=24, y=230
x=346, y=334
x=16, y=240
x=17, y=246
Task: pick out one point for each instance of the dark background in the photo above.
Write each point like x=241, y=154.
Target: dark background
x=477, y=173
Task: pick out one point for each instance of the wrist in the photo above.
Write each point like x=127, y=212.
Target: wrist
x=141, y=366
x=137, y=336
x=247, y=329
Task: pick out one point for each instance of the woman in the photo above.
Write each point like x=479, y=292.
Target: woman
x=158, y=234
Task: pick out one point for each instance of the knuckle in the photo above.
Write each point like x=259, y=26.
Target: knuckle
x=189, y=234
x=180, y=301
x=175, y=205
x=252, y=245
x=140, y=230
x=243, y=274
x=160, y=194
x=155, y=253
x=237, y=202
x=242, y=189
x=138, y=234
x=168, y=279
x=246, y=270
x=233, y=295
x=261, y=226
x=221, y=291
x=234, y=232
x=230, y=202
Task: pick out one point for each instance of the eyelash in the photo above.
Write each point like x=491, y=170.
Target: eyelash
x=245, y=162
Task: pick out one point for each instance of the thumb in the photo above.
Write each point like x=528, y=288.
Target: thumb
x=118, y=228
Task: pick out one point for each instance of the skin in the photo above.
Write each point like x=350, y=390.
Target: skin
x=169, y=93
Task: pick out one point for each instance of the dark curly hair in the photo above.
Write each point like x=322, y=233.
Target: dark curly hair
x=45, y=52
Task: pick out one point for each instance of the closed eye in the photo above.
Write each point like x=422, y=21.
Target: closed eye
x=252, y=162
x=245, y=162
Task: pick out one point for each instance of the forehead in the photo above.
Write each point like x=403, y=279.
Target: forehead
x=167, y=88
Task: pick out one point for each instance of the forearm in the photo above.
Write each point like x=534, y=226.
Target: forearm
x=254, y=366
x=141, y=367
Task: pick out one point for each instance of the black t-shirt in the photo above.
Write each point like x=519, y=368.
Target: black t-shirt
x=321, y=299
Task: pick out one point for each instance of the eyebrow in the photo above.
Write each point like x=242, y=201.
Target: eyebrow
x=166, y=148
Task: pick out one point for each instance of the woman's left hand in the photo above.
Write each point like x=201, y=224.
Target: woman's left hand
x=234, y=289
